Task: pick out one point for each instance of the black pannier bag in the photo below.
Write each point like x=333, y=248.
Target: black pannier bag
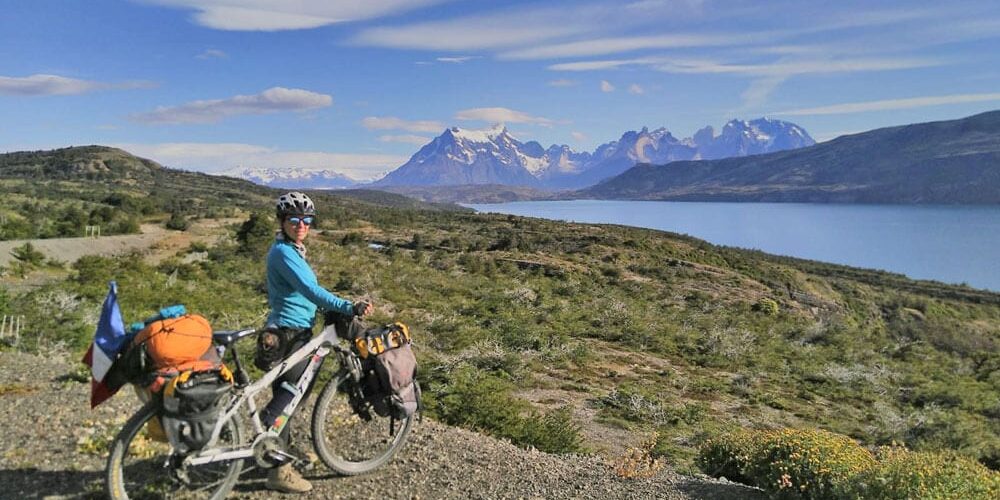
x=390, y=370
x=192, y=402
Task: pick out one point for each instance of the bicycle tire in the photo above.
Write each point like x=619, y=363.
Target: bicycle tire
x=347, y=443
x=146, y=477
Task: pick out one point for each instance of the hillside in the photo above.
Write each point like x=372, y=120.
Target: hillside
x=955, y=161
x=571, y=338
x=62, y=191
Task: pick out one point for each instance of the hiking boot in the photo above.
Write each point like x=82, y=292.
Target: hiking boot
x=286, y=479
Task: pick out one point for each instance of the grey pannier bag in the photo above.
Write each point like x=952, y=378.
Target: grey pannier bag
x=390, y=370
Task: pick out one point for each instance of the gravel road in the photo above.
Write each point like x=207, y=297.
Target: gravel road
x=50, y=449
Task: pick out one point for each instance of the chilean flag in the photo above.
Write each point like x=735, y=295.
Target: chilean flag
x=108, y=340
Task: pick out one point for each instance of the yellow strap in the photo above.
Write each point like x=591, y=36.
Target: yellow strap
x=362, y=346
x=226, y=374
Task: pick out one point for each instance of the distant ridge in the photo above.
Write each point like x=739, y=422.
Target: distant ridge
x=955, y=161
x=292, y=178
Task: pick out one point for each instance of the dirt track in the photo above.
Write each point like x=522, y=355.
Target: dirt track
x=153, y=236
x=70, y=249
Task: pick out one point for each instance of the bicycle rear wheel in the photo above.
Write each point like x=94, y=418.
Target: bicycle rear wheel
x=348, y=443
x=137, y=465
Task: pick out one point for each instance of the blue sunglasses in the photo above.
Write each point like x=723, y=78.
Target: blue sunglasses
x=296, y=220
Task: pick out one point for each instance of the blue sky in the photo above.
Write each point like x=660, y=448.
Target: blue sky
x=358, y=86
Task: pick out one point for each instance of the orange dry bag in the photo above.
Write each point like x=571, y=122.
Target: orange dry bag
x=177, y=343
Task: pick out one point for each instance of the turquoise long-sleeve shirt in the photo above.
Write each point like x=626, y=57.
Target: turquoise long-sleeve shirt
x=293, y=291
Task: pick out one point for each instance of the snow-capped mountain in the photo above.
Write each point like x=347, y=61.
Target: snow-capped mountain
x=745, y=138
x=460, y=156
x=292, y=178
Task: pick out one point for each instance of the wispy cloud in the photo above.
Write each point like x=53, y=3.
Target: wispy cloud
x=562, y=82
x=272, y=100
x=419, y=140
x=59, y=85
x=456, y=59
x=270, y=15
x=890, y=104
x=501, y=115
x=605, y=46
x=393, y=123
x=636, y=89
x=216, y=157
x=600, y=65
x=778, y=68
x=506, y=28
x=212, y=54
x=606, y=86
x=578, y=136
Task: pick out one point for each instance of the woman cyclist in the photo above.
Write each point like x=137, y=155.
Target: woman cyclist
x=293, y=294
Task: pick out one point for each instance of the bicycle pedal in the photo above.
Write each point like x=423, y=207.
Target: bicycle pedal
x=279, y=457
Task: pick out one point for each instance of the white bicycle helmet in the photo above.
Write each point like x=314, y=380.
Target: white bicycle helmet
x=294, y=203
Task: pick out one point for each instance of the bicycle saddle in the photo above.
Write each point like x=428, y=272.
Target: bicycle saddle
x=226, y=337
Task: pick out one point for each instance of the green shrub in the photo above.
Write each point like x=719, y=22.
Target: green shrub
x=28, y=254
x=482, y=401
x=178, y=222
x=728, y=455
x=903, y=474
x=766, y=306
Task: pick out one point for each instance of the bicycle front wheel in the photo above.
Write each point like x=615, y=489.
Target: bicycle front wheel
x=348, y=443
x=138, y=466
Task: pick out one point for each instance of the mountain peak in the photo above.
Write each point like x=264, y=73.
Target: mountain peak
x=480, y=135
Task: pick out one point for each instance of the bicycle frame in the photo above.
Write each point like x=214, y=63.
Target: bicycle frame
x=318, y=347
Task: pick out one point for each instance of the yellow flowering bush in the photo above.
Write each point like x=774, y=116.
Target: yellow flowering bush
x=903, y=474
x=788, y=463
x=808, y=464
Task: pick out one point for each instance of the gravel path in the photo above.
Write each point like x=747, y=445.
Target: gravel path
x=50, y=449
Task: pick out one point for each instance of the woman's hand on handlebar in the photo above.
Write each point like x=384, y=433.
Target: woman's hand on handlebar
x=363, y=308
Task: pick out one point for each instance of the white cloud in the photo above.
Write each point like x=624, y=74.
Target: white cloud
x=890, y=104
x=636, y=89
x=272, y=100
x=461, y=36
x=276, y=15
x=606, y=86
x=216, y=157
x=419, y=140
x=60, y=85
x=759, y=90
x=562, y=82
x=212, y=54
x=457, y=59
x=393, y=123
x=501, y=115
x=578, y=136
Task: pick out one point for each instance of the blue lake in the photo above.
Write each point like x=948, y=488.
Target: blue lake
x=952, y=244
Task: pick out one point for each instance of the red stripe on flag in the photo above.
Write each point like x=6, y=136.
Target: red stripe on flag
x=98, y=393
x=88, y=359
